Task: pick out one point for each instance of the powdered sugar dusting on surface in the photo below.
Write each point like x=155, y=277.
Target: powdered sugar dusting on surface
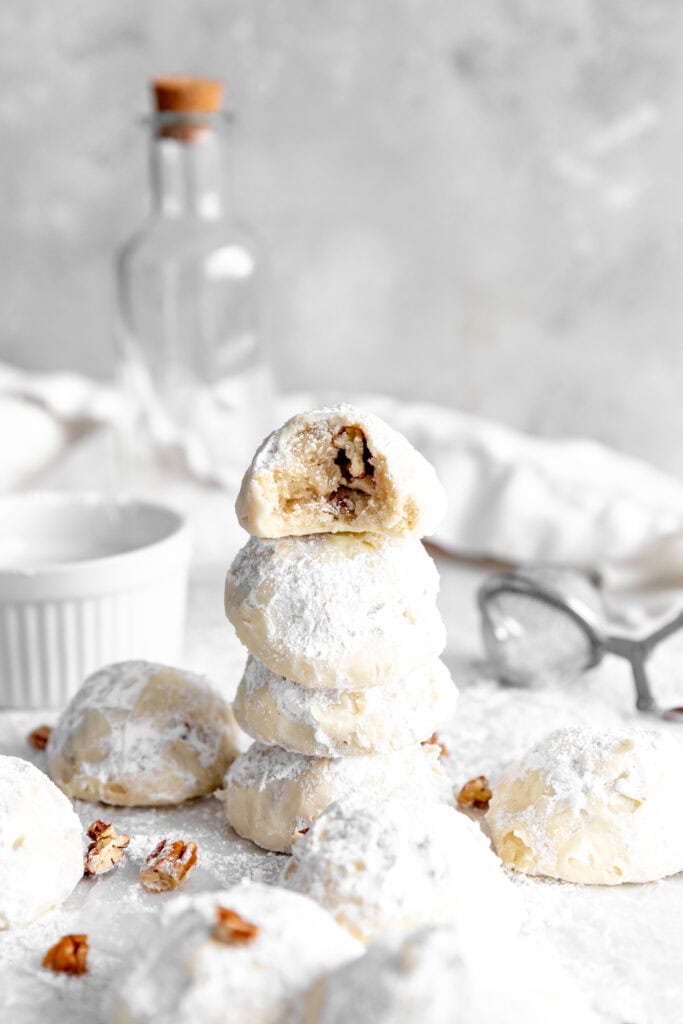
x=336, y=610
x=445, y=973
x=623, y=945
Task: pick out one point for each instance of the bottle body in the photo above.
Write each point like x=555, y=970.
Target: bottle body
x=190, y=316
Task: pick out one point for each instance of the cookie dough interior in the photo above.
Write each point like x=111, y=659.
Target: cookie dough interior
x=333, y=477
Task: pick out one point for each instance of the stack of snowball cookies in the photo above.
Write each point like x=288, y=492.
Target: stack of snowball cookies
x=335, y=597
x=393, y=907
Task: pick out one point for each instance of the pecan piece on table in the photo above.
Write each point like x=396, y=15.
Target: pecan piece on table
x=168, y=865
x=107, y=848
x=38, y=739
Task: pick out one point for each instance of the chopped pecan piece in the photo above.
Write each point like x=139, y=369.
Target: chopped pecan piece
x=107, y=848
x=69, y=955
x=232, y=929
x=168, y=865
x=475, y=793
x=39, y=737
x=354, y=455
x=434, y=741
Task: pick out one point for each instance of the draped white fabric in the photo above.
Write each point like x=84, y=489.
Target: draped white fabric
x=511, y=497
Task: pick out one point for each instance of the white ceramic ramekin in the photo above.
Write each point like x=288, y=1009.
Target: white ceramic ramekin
x=85, y=580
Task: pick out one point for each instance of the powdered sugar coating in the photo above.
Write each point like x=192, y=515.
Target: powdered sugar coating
x=340, y=723
x=137, y=733
x=295, y=486
x=272, y=795
x=41, y=848
x=593, y=807
x=180, y=975
x=342, y=611
x=448, y=974
x=377, y=864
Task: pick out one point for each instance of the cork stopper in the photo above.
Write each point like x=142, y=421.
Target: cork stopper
x=187, y=94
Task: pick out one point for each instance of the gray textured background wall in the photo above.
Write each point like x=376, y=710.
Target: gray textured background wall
x=475, y=201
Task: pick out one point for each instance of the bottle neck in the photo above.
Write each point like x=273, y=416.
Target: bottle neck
x=187, y=169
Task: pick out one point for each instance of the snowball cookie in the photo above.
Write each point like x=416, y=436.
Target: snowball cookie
x=339, y=470
x=41, y=848
x=599, y=808
x=337, y=723
x=183, y=973
x=445, y=974
x=344, y=611
x=378, y=864
x=139, y=734
x=271, y=795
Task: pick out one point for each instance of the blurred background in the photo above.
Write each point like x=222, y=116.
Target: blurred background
x=465, y=202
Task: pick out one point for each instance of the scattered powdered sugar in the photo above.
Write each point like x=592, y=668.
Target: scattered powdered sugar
x=448, y=974
x=377, y=864
x=343, y=611
x=177, y=967
x=376, y=719
x=623, y=945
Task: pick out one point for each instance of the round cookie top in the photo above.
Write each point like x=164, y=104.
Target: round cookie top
x=338, y=470
x=593, y=807
x=242, y=966
x=344, y=611
x=378, y=864
x=41, y=846
x=339, y=723
x=138, y=733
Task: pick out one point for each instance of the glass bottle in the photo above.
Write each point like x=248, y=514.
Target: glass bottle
x=190, y=303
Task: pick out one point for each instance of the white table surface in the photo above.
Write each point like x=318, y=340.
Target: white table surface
x=623, y=945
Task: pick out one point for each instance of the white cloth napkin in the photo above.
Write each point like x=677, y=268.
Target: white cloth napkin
x=42, y=416
x=511, y=497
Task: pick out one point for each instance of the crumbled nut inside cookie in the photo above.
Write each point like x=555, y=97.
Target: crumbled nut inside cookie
x=168, y=865
x=355, y=469
x=338, y=479
x=354, y=455
x=38, y=739
x=69, y=955
x=107, y=848
x=232, y=929
x=434, y=741
x=475, y=793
